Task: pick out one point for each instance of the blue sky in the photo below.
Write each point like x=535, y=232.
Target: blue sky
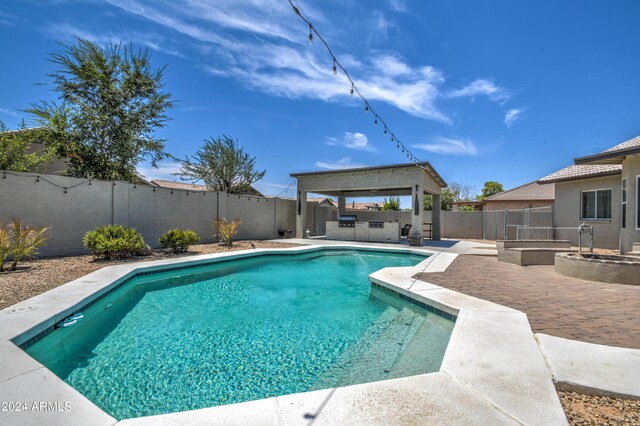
x=494, y=90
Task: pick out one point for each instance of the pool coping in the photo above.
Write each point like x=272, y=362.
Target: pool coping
x=492, y=369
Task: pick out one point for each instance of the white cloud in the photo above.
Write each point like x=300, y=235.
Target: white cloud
x=275, y=58
x=512, y=115
x=451, y=146
x=9, y=112
x=68, y=33
x=351, y=140
x=164, y=171
x=343, y=163
x=481, y=87
x=398, y=5
x=263, y=45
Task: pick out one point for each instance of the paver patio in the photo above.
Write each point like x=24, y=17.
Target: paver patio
x=560, y=306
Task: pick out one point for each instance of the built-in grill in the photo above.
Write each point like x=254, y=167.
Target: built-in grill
x=347, y=221
x=376, y=224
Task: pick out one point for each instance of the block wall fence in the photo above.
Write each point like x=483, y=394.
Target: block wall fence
x=71, y=207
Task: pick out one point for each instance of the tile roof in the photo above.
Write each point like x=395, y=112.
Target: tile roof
x=319, y=200
x=178, y=185
x=582, y=171
x=613, y=155
x=363, y=206
x=171, y=184
x=631, y=143
x=528, y=191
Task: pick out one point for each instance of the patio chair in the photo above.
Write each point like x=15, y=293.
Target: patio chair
x=405, y=230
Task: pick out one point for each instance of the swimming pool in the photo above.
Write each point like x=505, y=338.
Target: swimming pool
x=242, y=330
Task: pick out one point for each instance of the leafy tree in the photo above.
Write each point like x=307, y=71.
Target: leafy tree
x=490, y=188
x=111, y=102
x=222, y=165
x=14, y=150
x=454, y=192
x=392, y=204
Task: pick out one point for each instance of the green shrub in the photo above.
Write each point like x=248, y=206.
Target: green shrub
x=179, y=239
x=113, y=241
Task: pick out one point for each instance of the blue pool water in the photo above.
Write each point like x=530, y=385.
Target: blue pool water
x=243, y=330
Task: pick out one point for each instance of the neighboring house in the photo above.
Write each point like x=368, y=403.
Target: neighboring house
x=363, y=206
x=53, y=167
x=527, y=196
x=324, y=202
x=602, y=191
x=185, y=186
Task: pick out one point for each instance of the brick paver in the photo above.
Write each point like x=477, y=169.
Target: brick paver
x=607, y=314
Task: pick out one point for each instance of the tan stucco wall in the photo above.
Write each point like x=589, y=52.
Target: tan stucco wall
x=630, y=235
x=566, y=212
x=501, y=205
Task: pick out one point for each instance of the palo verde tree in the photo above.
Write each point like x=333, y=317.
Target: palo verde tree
x=452, y=193
x=111, y=101
x=222, y=165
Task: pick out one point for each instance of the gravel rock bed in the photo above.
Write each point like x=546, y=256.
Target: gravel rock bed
x=584, y=409
x=50, y=272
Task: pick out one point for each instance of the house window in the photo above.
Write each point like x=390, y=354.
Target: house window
x=596, y=204
x=624, y=203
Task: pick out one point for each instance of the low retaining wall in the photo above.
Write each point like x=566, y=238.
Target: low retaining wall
x=607, y=269
x=507, y=244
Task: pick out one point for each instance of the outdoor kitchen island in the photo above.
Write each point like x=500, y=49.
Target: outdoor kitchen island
x=347, y=228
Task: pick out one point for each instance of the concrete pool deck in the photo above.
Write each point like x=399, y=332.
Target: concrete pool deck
x=493, y=370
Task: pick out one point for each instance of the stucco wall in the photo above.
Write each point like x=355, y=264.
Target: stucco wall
x=152, y=211
x=631, y=171
x=606, y=233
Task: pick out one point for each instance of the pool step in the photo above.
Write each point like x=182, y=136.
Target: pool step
x=333, y=374
x=374, y=357
x=424, y=351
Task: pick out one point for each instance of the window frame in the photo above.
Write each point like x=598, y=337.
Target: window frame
x=596, y=219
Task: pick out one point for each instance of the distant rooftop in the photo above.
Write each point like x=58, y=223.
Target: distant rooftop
x=528, y=191
x=170, y=184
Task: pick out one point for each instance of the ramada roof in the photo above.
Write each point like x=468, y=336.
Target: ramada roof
x=582, y=171
x=528, y=191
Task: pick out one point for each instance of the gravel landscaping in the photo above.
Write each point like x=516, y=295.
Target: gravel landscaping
x=47, y=273
x=599, y=410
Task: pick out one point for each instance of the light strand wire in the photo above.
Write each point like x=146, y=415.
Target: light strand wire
x=354, y=88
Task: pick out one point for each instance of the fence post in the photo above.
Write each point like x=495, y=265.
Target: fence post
x=506, y=222
x=484, y=224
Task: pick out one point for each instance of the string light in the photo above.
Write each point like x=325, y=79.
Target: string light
x=354, y=89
